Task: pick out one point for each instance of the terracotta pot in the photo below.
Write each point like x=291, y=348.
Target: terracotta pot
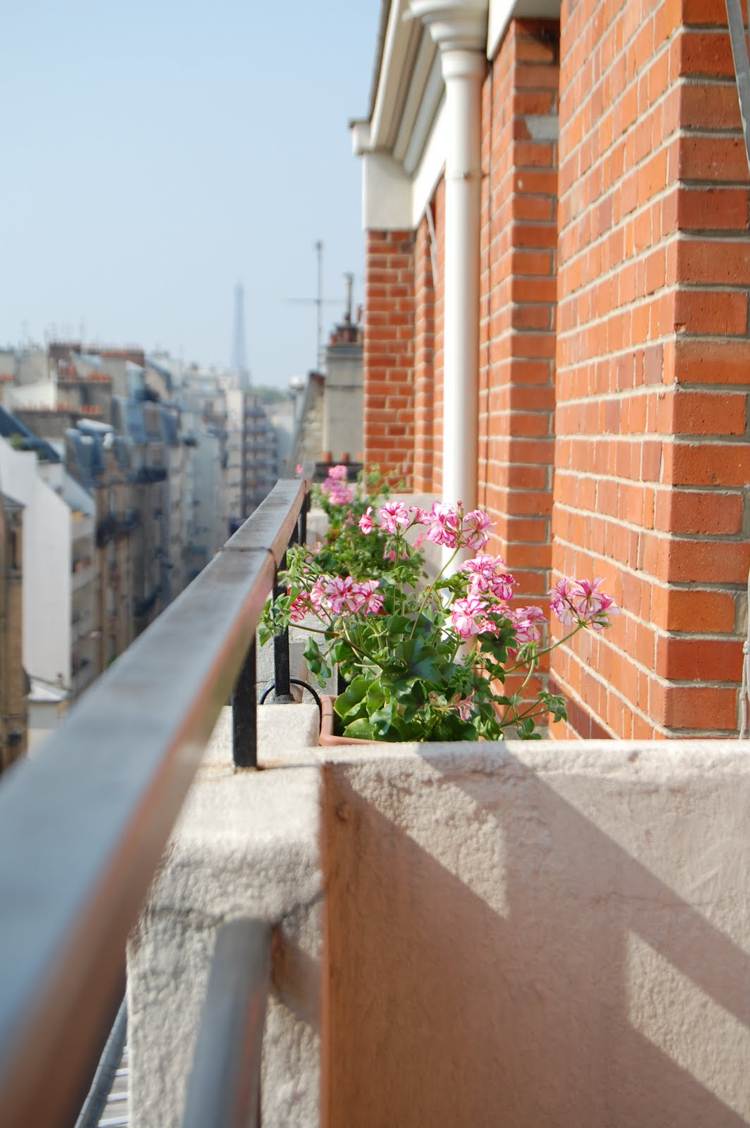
x=329, y=740
x=327, y=737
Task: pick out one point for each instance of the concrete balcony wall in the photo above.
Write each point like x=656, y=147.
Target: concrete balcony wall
x=549, y=935
x=247, y=845
x=533, y=935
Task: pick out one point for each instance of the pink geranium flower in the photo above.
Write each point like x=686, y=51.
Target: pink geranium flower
x=582, y=601
x=474, y=529
x=444, y=526
x=487, y=575
x=369, y=597
x=338, y=595
x=300, y=607
x=464, y=706
x=469, y=617
x=366, y=522
x=337, y=492
x=338, y=473
x=392, y=516
x=527, y=621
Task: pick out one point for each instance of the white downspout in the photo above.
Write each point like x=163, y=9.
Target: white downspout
x=459, y=27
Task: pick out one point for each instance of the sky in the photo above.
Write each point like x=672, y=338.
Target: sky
x=156, y=152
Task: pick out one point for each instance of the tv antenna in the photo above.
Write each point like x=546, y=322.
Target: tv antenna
x=319, y=301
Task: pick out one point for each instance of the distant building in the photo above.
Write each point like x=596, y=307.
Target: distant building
x=234, y=457
x=343, y=401
x=330, y=404
x=59, y=618
x=201, y=397
x=125, y=474
x=13, y=680
x=260, y=455
x=307, y=443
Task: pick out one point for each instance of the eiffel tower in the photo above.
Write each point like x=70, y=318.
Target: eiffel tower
x=239, y=353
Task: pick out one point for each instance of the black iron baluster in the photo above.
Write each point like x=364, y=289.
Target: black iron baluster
x=282, y=693
x=302, y=520
x=245, y=714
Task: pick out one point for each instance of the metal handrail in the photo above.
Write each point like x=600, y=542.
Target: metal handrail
x=224, y=1084
x=84, y=824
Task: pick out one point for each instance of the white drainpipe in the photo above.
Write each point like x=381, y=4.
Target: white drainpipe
x=459, y=27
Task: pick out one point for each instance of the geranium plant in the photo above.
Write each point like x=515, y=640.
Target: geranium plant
x=345, y=551
x=430, y=660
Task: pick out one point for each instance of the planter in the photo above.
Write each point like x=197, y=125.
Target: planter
x=327, y=737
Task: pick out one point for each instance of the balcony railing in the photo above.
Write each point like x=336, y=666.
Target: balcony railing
x=83, y=827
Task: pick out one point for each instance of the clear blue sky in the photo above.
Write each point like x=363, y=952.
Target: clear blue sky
x=154, y=152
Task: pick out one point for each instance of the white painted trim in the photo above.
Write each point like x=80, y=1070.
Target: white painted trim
x=433, y=93
x=430, y=167
x=386, y=194
x=503, y=11
x=425, y=64
x=395, y=49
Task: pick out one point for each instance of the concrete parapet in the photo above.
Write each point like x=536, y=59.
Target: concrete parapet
x=550, y=934
x=246, y=845
x=525, y=934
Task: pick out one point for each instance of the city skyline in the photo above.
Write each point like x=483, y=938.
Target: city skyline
x=148, y=178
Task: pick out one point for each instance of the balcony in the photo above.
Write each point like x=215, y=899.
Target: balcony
x=446, y=935
x=82, y=572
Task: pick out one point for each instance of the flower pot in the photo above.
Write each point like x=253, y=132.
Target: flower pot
x=329, y=740
x=327, y=737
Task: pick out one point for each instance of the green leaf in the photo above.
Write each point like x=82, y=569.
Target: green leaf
x=427, y=669
x=383, y=717
x=361, y=729
x=375, y=697
x=350, y=700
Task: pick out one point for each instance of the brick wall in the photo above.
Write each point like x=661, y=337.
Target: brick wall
x=652, y=364
x=517, y=298
x=389, y=352
x=614, y=348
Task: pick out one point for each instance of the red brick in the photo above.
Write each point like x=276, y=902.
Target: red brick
x=709, y=413
x=699, y=659
x=712, y=362
x=721, y=263
x=691, y=511
x=693, y=707
x=713, y=208
x=709, y=464
x=694, y=610
x=709, y=311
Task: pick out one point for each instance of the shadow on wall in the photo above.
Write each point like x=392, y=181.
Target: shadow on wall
x=498, y=958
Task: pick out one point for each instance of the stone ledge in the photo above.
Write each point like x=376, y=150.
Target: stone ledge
x=246, y=844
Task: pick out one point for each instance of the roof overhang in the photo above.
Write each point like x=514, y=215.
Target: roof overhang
x=503, y=11
x=402, y=142
x=407, y=93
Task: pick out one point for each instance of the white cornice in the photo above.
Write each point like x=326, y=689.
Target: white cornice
x=396, y=65
x=403, y=144
x=503, y=11
x=454, y=24
x=386, y=194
